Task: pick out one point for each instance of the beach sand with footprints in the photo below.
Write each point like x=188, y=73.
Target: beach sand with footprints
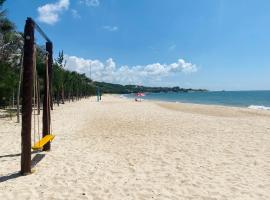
x=122, y=149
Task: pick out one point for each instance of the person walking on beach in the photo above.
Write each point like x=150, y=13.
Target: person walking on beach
x=98, y=94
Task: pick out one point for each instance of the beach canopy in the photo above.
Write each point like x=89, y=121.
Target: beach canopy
x=140, y=94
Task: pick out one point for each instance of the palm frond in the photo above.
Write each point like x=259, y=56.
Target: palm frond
x=2, y=2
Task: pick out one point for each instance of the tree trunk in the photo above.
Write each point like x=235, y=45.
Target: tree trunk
x=13, y=98
x=19, y=91
x=63, y=94
x=58, y=97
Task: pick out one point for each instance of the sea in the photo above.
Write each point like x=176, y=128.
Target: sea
x=250, y=99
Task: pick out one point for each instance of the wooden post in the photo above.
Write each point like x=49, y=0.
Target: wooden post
x=27, y=88
x=49, y=49
x=46, y=107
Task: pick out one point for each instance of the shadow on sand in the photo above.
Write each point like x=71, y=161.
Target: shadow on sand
x=36, y=159
x=15, y=155
x=9, y=177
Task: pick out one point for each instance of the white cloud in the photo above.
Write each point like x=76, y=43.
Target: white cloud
x=49, y=13
x=172, y=47
x=141, y=74
x=110, y=28
x=75, y=14
x=93, y=3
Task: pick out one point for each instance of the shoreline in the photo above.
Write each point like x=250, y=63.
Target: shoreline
x=186, y=104
x=222, y=100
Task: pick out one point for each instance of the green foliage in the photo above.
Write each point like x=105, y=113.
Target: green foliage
x=10, y=49
x=60, y=60
x=8, y=83
x=1, y=2
x=6, y=25
x=69, y=85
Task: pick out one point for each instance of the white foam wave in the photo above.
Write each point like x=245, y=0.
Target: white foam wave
x=259, y=107
x=123, y=96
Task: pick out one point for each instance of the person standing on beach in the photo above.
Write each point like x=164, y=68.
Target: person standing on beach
x=98, y=94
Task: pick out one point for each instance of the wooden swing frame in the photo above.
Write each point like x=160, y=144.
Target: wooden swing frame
x=27, y=90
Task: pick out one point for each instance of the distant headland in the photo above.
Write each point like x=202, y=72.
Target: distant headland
x=125, y=89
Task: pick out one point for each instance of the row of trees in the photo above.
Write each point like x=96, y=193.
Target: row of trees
x=69, y=85
x=10, y=50
x=66, y=85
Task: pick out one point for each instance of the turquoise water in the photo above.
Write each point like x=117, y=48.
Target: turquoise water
x=253, y=99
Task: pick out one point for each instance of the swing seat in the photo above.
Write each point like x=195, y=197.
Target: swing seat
x=40, y=144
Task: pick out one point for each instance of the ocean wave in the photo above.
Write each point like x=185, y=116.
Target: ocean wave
x=257, y=107
x=122, y=96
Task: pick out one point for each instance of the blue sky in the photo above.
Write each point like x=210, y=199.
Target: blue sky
x=212, y=44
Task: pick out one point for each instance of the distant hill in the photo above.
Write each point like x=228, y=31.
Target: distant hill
x=125, y=89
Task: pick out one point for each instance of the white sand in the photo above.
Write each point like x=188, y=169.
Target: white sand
x=120, y=149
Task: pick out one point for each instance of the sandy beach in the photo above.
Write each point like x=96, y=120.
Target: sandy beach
x=121, y=149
